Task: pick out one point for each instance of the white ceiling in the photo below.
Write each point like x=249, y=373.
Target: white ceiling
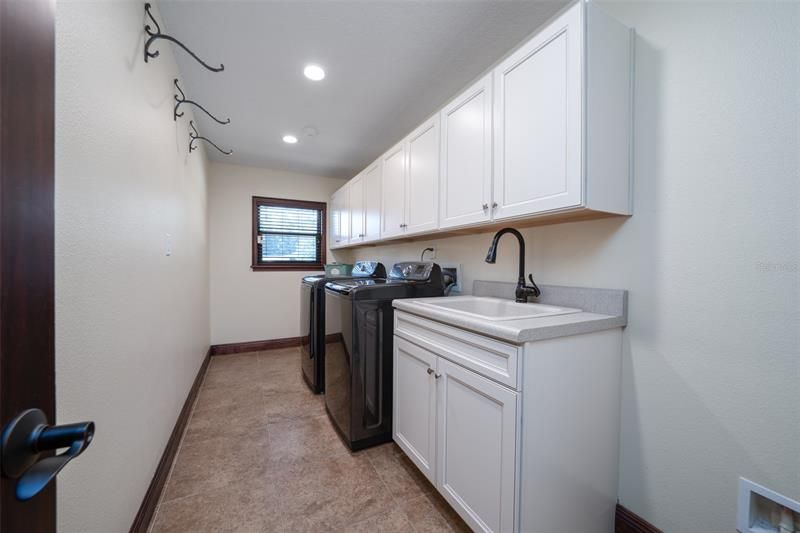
x=389, y=65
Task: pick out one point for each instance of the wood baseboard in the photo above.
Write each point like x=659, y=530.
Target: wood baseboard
x=148, y=507
x=260, y=346
x=626, y=521
x=254, y=346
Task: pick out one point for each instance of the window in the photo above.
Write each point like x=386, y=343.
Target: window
x=288, y=234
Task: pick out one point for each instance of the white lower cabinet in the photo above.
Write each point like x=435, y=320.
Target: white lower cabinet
x=476, y=437
x=536, y=453
x=414, y=416
x=459, y=429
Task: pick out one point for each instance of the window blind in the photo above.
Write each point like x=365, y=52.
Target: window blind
x=288, y=234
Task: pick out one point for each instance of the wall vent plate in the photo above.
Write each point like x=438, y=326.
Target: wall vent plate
x=760, y=509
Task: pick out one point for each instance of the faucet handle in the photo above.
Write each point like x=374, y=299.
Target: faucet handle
x=535, y=288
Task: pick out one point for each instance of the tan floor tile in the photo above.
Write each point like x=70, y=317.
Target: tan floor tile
x=281, y=405
x=347, y=490
x=229, y=509
x=211, y=397
x=393, y=521
x=424, y=516
x=229, y=421
x=216, y=463
x=234, y=359
x=401, y=476
x=304, y=439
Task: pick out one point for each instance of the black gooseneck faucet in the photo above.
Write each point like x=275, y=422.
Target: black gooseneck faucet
x=523, y=291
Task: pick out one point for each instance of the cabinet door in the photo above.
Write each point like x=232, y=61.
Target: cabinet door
x=372, y=201
x=466, y=153
x=393, y=191
x=344, y=214
x=422, y=178
x=477, y=443
x=356, y=195
x=538, y=122
x=335, y=232
x=414, y=407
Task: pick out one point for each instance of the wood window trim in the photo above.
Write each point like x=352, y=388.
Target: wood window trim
x=285, y=267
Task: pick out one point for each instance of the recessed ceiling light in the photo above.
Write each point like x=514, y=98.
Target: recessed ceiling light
x=289, y=139
x=314, y=72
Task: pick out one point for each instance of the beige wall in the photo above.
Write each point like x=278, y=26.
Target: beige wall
x=131, y=323
x=712, y=350
x=248, y=305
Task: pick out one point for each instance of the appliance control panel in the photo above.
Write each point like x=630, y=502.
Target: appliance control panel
x=413, y=271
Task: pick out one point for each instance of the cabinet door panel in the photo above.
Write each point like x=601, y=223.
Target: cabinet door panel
x=333, y=225
x=356, y=195
x=372, y=202
x=422, y=178
x=466, y=175
x=414, y=416
x=476, y=441
x=340, y=217
x=538, y=123
x=393, y=191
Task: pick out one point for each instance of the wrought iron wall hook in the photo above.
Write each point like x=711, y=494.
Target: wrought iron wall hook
x=154, y=35
x=195, y=135
x=183, y=100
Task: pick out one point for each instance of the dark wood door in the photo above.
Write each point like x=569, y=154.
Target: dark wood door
x=27, y=374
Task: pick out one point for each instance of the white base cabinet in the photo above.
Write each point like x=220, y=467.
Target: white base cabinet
x=476, y=421
x=537, y=453
x=414, y=413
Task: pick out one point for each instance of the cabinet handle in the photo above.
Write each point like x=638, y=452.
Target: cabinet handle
x=403, y=225
x=485, y=207
x=360, y=234
x=494, y=205
x=437, y=376
x=430, y=370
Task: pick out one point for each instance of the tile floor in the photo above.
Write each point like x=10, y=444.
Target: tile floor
x=259, y=454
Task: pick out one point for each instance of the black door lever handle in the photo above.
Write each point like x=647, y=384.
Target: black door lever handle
x=27, y=437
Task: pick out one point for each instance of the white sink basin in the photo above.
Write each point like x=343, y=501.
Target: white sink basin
x=487, y=308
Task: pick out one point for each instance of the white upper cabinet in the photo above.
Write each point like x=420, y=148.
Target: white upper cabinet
x=422, y=178
x=538, y=122
x=372, y=201
x=356, y=207
x=562, y=112
x=466, y=157
x=545, y=135
x=393, y=191
x=340, y=218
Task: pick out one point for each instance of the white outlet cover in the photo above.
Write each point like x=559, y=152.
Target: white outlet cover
x=746, y=508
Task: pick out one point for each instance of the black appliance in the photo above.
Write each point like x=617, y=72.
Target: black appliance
x=358, y=360
x=312, y=320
